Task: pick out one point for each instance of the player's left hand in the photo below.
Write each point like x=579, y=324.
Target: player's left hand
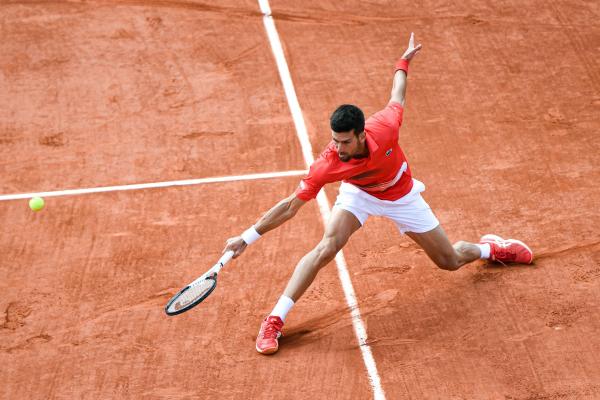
x=412, y=49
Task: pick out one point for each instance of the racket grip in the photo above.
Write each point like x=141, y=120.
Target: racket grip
x=225, y=257
x=221, y=263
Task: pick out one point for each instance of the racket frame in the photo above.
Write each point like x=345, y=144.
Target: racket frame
x=210, y=274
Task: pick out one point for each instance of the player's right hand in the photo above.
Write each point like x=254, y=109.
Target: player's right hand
x=235, y=244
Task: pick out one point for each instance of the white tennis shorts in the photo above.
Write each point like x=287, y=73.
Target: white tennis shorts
x=411, y=213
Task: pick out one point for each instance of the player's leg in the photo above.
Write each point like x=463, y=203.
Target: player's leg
x=341, y=225
x=444, y=254
x=414, y=217
x=452, y=257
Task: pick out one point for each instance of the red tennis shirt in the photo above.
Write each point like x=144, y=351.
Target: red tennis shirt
x=384, y=173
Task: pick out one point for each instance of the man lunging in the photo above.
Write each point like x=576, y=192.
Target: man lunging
x=376, y=180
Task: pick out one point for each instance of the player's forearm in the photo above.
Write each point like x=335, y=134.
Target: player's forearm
x=399, y=87
x=400, y=80
x=276, y=216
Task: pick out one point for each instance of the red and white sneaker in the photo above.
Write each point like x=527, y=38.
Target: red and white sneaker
x=507, y=250
x=270, y=332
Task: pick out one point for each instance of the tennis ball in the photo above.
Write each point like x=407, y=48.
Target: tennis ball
x=36, y=203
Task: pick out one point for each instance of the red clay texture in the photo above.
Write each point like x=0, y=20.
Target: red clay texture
x=501, y=124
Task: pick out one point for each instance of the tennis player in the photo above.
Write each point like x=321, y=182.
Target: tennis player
x=376, y=180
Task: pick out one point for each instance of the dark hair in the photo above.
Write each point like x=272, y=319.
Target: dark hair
x=346, y=118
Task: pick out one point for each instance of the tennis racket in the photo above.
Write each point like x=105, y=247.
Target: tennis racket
x=194, y=293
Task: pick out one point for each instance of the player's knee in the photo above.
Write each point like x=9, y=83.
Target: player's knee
x=448, y=262
x=326, y=249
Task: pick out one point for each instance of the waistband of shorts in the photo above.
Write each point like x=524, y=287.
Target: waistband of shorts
x=418, y=187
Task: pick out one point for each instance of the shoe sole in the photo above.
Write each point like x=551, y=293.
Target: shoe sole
x=490, y=238
x=267, y=351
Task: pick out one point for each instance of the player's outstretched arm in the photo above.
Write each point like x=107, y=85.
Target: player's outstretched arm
x=276, y=216
x=399, y=86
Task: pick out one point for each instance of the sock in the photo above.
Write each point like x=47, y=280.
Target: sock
x=283, y=306
x=485, y=250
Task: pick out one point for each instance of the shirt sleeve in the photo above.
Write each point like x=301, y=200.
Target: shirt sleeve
x=390, y=117
x=318, y=176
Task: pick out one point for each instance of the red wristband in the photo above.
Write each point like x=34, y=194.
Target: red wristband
x=402, y=64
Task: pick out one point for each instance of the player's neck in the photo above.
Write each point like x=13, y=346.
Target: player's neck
x=364, y=153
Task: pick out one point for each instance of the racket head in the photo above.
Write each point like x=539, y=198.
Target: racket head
x=191, y=295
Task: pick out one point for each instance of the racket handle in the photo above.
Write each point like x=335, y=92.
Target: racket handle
x=221, y=263
x=225, y=257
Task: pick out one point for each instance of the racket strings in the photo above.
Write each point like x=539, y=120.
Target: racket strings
x=194, y=293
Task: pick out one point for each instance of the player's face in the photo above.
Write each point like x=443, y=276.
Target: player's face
x=348, y=145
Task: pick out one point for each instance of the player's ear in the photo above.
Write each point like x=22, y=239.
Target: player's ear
x=362, y=136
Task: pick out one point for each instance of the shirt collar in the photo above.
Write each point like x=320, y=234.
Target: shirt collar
x=371, y=143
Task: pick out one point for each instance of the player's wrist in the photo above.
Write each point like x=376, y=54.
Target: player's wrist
x=250, y=235
x=402, y=65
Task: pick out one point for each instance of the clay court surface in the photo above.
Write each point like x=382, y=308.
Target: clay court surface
x=501, y=123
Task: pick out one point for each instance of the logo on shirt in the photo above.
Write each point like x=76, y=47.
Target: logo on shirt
x=387, y=153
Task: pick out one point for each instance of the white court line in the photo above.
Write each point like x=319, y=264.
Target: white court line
x=137, y=186
x=288, y=86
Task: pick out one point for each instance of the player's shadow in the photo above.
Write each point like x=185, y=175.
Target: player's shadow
x=312, y=330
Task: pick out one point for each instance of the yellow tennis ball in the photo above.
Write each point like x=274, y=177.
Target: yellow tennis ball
x=36, y=203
